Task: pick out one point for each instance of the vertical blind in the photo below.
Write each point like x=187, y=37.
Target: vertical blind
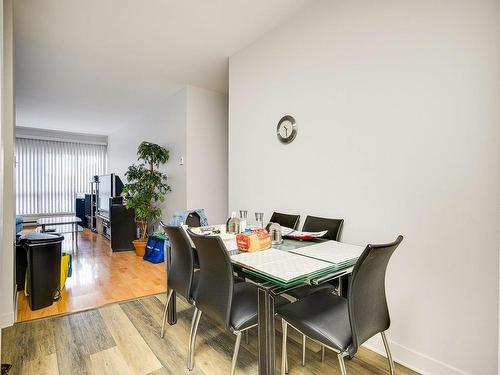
x=50, y=173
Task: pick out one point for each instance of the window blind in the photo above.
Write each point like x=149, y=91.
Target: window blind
x=50, y=173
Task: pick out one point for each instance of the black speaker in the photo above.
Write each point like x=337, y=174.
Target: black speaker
x=80, y=210
x=88, y=198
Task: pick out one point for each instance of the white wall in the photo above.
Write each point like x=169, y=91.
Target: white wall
x=165, y=126
x=206, y=158
x=192, y=124
x=397, y=105
x=6, y=169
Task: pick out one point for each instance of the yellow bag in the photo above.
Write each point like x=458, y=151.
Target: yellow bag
x=65, y=259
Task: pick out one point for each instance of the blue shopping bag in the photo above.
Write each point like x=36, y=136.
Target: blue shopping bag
x=155, y=249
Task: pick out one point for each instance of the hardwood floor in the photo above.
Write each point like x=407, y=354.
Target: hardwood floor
x=124, y=338
x=99, y=277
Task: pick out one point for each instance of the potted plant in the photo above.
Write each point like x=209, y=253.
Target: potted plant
x=146, y=187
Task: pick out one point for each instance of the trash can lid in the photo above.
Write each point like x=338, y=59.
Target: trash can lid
x=34, y=237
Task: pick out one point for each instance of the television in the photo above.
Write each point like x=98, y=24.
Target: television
x=110, y=186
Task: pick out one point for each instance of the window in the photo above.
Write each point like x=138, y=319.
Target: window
x=50, y=173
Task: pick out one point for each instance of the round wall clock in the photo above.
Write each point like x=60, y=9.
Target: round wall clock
x=286, y=129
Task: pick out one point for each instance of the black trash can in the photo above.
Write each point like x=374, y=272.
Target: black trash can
x=44, y=268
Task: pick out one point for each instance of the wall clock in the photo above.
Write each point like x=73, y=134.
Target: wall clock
x=286, y=129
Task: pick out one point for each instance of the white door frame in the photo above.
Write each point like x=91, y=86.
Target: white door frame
x=7, y=203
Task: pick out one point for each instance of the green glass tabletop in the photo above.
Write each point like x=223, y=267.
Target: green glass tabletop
x=307, y=279
x=311, y=278
x=288, y=244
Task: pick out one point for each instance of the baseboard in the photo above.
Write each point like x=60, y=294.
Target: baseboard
x=414, y=360
x=7, y=319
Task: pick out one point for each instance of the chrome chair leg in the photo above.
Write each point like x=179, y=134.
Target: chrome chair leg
x=192, y=337
x=284, y=361
x=169, y=297
x=303, y=350
x=236, y=350
x=343, y=371
x=339, y=289
x=322, y=353
x=389, y=356
x=246, y=337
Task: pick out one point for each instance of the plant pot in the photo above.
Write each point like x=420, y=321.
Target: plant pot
x=140, y=247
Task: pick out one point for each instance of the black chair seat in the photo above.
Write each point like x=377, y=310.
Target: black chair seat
x=244, y=305
x=321, y=316
x=307, y=290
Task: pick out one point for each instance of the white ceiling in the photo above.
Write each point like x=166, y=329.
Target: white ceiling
x=93, y=65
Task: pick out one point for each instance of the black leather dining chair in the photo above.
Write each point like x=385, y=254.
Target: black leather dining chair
x=234, y=305
x=193, y=220
x=334, y=229
x=341, y=324
x=181, y=276
x=285, y=220
x=318, y=224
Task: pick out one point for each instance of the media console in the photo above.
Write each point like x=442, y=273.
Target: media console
x=105, y=213
x=120, y=227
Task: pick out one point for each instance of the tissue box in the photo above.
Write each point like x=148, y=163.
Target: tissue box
x=255, y=240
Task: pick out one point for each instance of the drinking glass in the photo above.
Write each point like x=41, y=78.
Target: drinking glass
x=259, y=217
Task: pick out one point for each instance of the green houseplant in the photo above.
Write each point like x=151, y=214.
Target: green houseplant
x=146, y=187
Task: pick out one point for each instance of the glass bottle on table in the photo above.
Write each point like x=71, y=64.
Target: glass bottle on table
x=259, y=217
x=243, y=220
x=233, y=224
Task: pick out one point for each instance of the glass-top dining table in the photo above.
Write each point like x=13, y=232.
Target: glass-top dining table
x=270, y=286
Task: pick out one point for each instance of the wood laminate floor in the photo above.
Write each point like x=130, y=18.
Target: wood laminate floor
x=123, y=338
x=99, y=277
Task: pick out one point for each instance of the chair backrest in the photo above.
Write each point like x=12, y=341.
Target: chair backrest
x=180, y=271
x=318, y=224
x=285, y=220
x=368, y=311
x=215, y=287
x=193, y=220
